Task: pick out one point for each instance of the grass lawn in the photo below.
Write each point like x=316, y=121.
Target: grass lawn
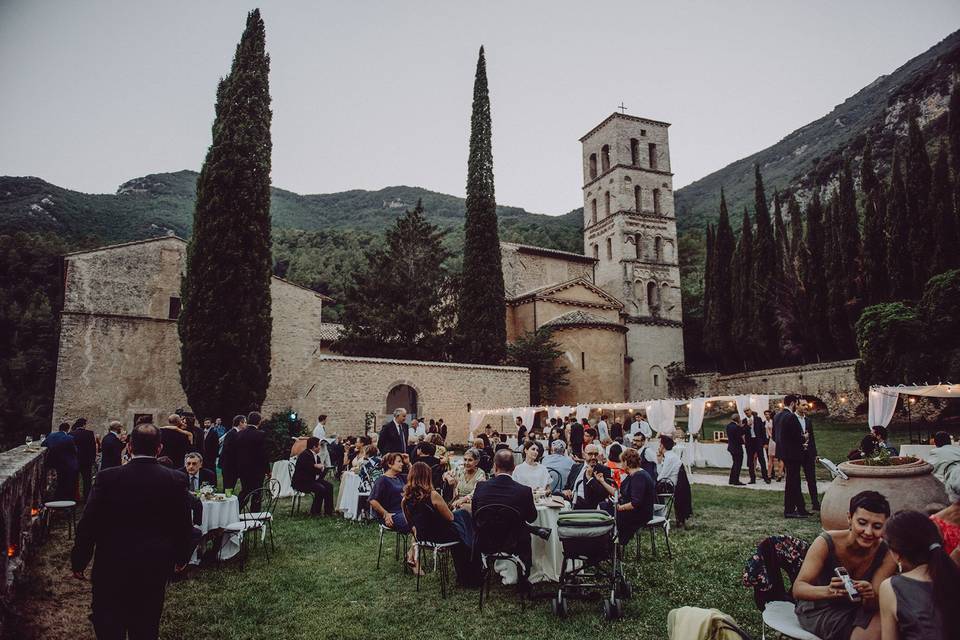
x=323, y=583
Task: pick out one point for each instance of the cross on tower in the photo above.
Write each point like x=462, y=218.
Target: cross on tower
x=622, y=108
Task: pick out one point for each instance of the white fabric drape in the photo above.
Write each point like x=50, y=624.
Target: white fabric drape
x=742, y=403
x=695, y=421
x=583, y=411
x=526, y=414
x=661, y=414
x=476, y=417
x=559, y=412
x=881, y=404
x=759, y=404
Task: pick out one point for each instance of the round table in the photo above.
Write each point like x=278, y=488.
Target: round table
x=348, y=497
x=216, y=515
x=547, y=554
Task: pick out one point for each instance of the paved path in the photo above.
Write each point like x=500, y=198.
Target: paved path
x=717, y=480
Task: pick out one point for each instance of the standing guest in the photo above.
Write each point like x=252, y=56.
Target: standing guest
x=635, y=506
x=616, y=432
x=530, y=473
x=176, y=440
x=773, y=464
x=320, y=431
x=735, y=446
x=211, y=447
x=228, y=453
x=880, y=435
x=86, y=452
x=809, y=456
x=62, y=458
x=823, y=605
x=559, y=461
x=921, y=602
x=197, y=476
x=756, y=441
x=948, y=519
x=308, y=478
x=442, y=429
x=576, y=438
x=668, y=469
x=111, y=447
x=138, y=542
x=432, y=427
x=487, y=437
x=789, y=435
x=252, y=463
x=602, y=429
x=589, y=482
x=395, y=434
x=196, y=433
x=417, y=428
x=218, y=425
x=465, y=478
x=521, y=430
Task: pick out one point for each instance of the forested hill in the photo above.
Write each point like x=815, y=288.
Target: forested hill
x=161, y=203
x=810, y=156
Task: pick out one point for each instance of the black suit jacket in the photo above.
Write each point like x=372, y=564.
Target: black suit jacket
x=789, y=436
x=304, y=473
x=576, y=433
x=390, y=441
x=197, y=443
x=593, y=493
x=211, y=448
x=759, y=431
x=811, y=440
x=502, y=489
x=252, y=453
x=175, y=444
x=139, y=522
x=86, y=445
x=206, y=476
x=111, y=451
x=228, y=456
x=734, y=437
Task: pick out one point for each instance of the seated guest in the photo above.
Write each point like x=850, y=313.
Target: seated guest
x=823, y=606
x=308, y=478
x=502, y=489
x=589, y=483
x=589, y=435
x=432, y=521
x=867, y=448
x=647, y=452
x=530, y=472
x=111, y=447
x=616, y=432
x=62, y=457
x=559, y=462
x=465, y=478
x=486, y=455
x=921, y=602
x=948, y=520
x=613, y=463
x=386, y=500
x=635, y=506
x=880, y=435
x=426, y=453
x=945, y=457
x=369, y=458
x=669, y=468
x=196, y=475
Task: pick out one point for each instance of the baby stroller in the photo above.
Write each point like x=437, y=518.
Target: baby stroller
x=590, y=561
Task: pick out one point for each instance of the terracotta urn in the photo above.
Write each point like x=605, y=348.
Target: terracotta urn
x=907, y=483
x=299, y=446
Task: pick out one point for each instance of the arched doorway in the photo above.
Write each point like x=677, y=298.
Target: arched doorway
x=402, y=396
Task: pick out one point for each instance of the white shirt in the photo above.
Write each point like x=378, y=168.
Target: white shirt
x=602, y=430
x=803, y=423
x=581, y=481
x=669, y=469
x=644, y=427
x=320, y=431
x=649, y=453
x=420, y=430
x=530, y=475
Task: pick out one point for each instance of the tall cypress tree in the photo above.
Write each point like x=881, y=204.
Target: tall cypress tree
x=745, y=339
x=796, y=228
x=868, y=173
x=780, y=239
x=841, y=331
x=481, y=312
x=718, y=335
x=764, y=276
x=943, y=234
x=709, y=291
x=899, y=261
x=814, y=279
x=875, y=286
x=225, y=322
x=917, y=176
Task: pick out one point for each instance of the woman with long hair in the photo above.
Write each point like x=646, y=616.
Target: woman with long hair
x=948, y=519
x=920, y=603
x=464, y=478
x=432, y=520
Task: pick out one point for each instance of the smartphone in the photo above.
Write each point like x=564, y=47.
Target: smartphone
x=852, y=592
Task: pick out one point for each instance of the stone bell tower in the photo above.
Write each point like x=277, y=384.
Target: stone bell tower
x=630, y=227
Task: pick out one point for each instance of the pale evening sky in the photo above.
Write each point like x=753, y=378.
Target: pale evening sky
x=373, y=94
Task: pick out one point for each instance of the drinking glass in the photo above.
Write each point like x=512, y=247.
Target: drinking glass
x=28, y=441
x=228, y=492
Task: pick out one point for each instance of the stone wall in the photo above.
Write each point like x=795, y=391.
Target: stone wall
x=346, y=388
x=594, y=357
x=525, y=271
x=22, y=483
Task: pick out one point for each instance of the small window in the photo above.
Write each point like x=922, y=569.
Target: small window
x=656, y=380
x=656, y=201
x=593, y=166
x=638, y=242
x=605, y=158
x=652, y=148
x=643, y=133
x=609, y=249
x=637, y=195
x=606, y=204
x=593, y=211
x=596, y=252
x=174, y=311
x=658, y=249
x=634, y=152
x=583, y=361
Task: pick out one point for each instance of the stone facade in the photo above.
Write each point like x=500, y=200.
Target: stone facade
x=526, y=268
x=346, y=388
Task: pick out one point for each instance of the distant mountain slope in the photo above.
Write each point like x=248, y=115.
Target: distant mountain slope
x=160, y=203
x=810, y=156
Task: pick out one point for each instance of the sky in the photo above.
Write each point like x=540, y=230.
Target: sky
x=374, y=94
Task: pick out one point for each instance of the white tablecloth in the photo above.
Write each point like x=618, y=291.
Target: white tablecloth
x=216, y=515
x=700, y=454
x=916, y=450
x=281, y=473
x=349, y=496
x=547, y=554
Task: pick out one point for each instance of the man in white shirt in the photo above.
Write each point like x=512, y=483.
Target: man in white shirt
x=320, y=431
x=559, y=461
x=669, y=468
x=417, y=428
x=602, y=431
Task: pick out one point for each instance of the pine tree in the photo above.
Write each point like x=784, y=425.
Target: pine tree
x=225, y=322
x=813, y=275
x=481, y=312
x=897, y=224
x=395, y=306
x=917, y=176
x=764, y=276
x=719, y=333
x=743, y=325
x=943, y=235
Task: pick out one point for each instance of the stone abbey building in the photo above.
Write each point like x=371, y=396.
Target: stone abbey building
x=614, y=309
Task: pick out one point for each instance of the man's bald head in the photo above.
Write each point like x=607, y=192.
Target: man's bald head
x=503, y=461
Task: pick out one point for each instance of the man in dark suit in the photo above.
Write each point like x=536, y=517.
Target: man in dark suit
x=138, y=541
x=809, y=464
x=755, y=436
x=62, y=458
x=196, y=433
x=307, y=478
x=197, y=476
x=576, y=439
x=504, y=490
x=442, y=429
x=394, y=435
x=86, y=452
x=228, y=455
x=735, y=447
x=790, y=450
x=589, y=482
x=176, y=440
x=252, y=463
x=211, y=447
x=111, y=447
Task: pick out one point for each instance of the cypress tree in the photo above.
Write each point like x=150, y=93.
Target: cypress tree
x=953, y=133
x=841, y=331
x=917, y=176
x=796, y=228
x=899, y=263
x=875, y=287
x=743, y=323
x=848, y=235
x=708, y=290
x=718, y=334
x=868, y=174
x=481, y=312
x=780, y=238
x=943, y=235
x=765, y=273
x=225, y=322
x=815, y=281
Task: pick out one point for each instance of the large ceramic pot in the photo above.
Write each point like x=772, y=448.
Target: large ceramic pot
x=909, y=483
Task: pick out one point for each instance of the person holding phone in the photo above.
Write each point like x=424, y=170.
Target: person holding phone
x=836, y=589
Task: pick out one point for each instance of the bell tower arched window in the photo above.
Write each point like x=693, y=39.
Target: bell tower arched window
x=634, y=152
x=606, y=204
x=593, y=166
x=593, y=211
x=605, y=158
x=637, y=202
